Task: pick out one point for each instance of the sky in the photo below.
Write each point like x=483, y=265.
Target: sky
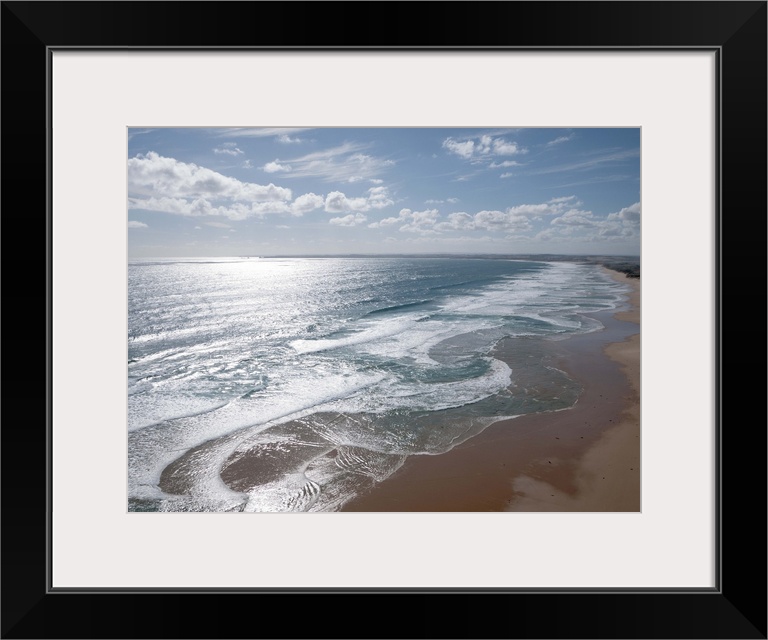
x=317, y=191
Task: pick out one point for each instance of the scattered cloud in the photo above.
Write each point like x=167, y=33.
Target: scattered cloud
x=306, y=203
x=157, y=176
x=138, y=132
x=157, y=183
x=410, y=221
x=135, y=224
x=419, y=221
x=202, y=207
x=490, y=220
x=629, y=214
x=481, y=147
x=560, y=140
x=503, y=148
x=351, y=220
x=206, y=188
x=375, y=198
x=286, y=139
x=462, y=149
x=263, y=132
x=597, y=180
x=622, y=224
x=514, y=219
x=458, y=220
x=344, y=163
x=275, y=166
x=589, y=163
x=228, y=148
x=575, y=218
x=450, y=200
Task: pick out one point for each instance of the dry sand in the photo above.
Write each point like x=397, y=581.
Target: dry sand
x=586, y=458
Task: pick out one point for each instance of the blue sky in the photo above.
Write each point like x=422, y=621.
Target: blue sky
x=260, y=191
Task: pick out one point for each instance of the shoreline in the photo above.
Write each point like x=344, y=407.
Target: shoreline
x=585, y=458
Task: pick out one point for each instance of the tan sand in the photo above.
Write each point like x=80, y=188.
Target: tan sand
x=607, y=477
x=586, y=458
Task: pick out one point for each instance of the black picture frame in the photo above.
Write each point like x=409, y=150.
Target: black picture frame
x=735, y=608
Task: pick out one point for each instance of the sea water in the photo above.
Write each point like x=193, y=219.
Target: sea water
x=294, y=384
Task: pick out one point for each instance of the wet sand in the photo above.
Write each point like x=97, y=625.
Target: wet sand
x=586, y=458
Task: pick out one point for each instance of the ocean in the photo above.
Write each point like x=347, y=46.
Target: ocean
x=295, y=384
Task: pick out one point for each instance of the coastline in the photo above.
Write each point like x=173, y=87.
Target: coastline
x=585, y=458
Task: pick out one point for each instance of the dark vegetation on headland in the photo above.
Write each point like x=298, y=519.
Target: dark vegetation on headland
x=628, y=265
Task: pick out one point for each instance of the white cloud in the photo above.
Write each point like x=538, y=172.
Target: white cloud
x=506, y=175
x=458, y=220
x=203, y=207
x=562, y=199
x=386, y=222
x=376, y=180
x=610, y=157
x=306, y=203
x=135, y=224
x=560, y=140
x=218, y=225
x=339, y=164
x=351, y=220
x=247, y=165
x=286, y=139
x=378, y=198
x=233, y=211
x=629, y=214
x=575, y=218
x=451, y=200
x=481, y=147
x=262, y=132
x=187, y=189
x=337, y=202
x=514, y=219
x=419, y=221
x=158, y=177
x=411, y=220
x=264, y=208
x=463, y=149
x=622, y=224
x=375, y=198
x=275, y=166
x=228, y=148
x=504, y=164
x=503, y=148
x=498, y=220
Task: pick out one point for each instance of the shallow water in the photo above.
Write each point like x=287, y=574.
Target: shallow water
x=294, y=384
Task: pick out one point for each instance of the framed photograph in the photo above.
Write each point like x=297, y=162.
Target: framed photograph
x=105, y=101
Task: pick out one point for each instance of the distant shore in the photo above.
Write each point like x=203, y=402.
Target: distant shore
x=586, y=458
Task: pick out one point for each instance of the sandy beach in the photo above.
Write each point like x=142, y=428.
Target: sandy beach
x=586, y=458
